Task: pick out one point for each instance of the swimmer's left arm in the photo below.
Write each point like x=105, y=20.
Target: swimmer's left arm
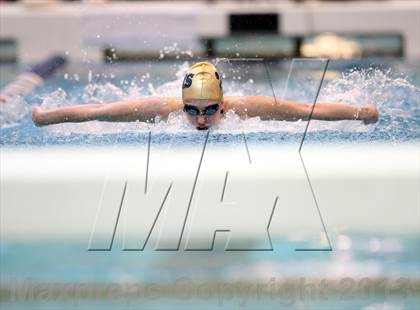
x=268, y=108
x=290, y=110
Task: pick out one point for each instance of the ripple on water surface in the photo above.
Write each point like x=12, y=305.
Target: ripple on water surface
x=397, y=99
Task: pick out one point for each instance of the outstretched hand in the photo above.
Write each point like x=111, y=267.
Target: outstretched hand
x=368, y=114
x=37, y=116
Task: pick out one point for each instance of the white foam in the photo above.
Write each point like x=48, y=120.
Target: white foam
x=390, y=93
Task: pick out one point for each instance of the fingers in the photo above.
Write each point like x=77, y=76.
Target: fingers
x=369, y=114
x=36, y=116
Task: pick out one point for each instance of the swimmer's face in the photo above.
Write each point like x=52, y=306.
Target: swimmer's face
x=203, y=113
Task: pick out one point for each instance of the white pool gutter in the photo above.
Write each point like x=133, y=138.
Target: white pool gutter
x=56, y=192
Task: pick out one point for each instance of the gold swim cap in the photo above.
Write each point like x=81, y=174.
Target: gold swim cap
x=202, y=81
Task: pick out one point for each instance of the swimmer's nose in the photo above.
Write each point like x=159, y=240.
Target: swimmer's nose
x=201, y=120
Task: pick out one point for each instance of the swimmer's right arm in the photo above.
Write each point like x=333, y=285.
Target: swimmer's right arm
x=143, y=110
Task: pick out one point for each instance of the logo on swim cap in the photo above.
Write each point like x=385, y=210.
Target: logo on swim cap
x=187, y=80
x=202, y=81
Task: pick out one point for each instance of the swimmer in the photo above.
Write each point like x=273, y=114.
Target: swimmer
x=25, y=82
x=204, y=106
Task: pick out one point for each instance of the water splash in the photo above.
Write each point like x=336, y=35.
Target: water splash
x=100, y=93
x=397, y=99
x=373, y=85
x=13, y=112
x=175, y=50
x=53, y=100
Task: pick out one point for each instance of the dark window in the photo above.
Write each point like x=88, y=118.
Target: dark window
x=253, y=23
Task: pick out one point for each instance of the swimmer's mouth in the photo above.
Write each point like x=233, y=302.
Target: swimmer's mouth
x=202, y=128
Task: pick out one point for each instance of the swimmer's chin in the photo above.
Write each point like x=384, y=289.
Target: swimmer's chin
x=202, y=128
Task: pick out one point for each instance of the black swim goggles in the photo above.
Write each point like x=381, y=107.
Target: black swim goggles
x=207, y=111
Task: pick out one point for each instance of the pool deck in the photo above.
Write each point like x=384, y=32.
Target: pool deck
x=56, y=192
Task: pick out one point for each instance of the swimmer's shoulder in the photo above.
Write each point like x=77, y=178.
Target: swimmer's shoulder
x=174, y=103
x=166, y=105
x=159, y=104
x=241, y=102
x=249, y=106
x=238, y=104
x=232, y=102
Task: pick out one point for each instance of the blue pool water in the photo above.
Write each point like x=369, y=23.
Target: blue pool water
x=392, y=85
x=364, y=271
x=380, y=272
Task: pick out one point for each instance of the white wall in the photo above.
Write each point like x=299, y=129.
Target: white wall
x=55, y=192
x=82, y=30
